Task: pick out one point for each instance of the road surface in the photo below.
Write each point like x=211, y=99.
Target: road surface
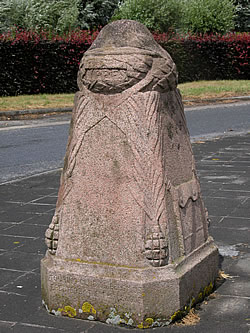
x=30, y=147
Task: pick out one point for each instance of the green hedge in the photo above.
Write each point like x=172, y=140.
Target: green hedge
x=34, y=63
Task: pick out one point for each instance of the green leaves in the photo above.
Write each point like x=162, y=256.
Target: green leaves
x=56, y=15
x=197, y=16
x=157, y=15
x=207, y=16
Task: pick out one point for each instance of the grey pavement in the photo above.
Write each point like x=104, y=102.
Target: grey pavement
x=26, y=209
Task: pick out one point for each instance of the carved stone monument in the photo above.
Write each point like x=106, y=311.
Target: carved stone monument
x=129, y=239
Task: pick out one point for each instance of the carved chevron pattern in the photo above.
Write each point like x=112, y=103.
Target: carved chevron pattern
x=140, y=120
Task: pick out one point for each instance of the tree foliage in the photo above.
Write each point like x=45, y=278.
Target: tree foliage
x=207, y=16
x=197, y=16
x=158, y=15
x=54, y=15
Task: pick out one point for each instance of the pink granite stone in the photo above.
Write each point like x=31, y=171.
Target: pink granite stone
x=129, y=234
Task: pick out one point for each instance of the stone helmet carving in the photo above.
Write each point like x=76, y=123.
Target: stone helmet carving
x=125, y=56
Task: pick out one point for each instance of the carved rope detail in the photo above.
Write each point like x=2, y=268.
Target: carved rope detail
x=156, y=248
x=52, y=235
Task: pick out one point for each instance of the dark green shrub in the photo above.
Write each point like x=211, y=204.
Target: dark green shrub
x=242, y=17
x=95, y=13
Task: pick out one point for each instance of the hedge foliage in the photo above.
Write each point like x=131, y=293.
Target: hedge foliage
x=209, y=57
x=36, y=63
x=33, y=63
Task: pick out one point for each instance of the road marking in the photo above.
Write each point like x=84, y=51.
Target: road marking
x=56, y=123
x=235, y=296
x=11, y=293
x=31, y=176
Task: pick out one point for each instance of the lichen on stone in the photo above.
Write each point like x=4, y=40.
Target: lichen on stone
x=88, y=308
x=150, y=322
x=116, y=319
x=68, y=311
x=91, y=318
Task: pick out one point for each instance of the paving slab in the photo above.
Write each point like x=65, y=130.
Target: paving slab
x=26, y=209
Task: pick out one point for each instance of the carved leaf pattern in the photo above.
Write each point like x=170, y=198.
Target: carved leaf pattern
x=147, y=148
x=144, y=121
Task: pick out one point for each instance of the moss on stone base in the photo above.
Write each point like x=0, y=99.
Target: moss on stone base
x=115, y=317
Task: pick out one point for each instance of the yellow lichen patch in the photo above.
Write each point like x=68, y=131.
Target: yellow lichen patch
x=68, y=311
x=87, y=307
x=148, y=323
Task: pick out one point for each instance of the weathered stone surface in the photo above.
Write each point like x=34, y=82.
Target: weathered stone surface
x=129, y=237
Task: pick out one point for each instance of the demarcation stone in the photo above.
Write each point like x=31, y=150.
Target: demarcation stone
x=128, y=243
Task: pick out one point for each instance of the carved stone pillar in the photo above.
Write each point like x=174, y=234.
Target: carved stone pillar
x=129, y=240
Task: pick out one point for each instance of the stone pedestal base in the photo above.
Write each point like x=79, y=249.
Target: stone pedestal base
x=141, y=297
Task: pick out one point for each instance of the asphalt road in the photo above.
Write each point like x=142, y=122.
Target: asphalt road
x=31, y=147
x=210, y=121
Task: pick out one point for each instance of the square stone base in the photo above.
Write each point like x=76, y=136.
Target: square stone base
x=141, y=297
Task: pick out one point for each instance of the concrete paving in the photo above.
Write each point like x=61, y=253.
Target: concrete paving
x=26, y=209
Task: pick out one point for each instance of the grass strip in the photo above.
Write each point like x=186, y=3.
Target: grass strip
x=214, y=89
x=198, y=91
